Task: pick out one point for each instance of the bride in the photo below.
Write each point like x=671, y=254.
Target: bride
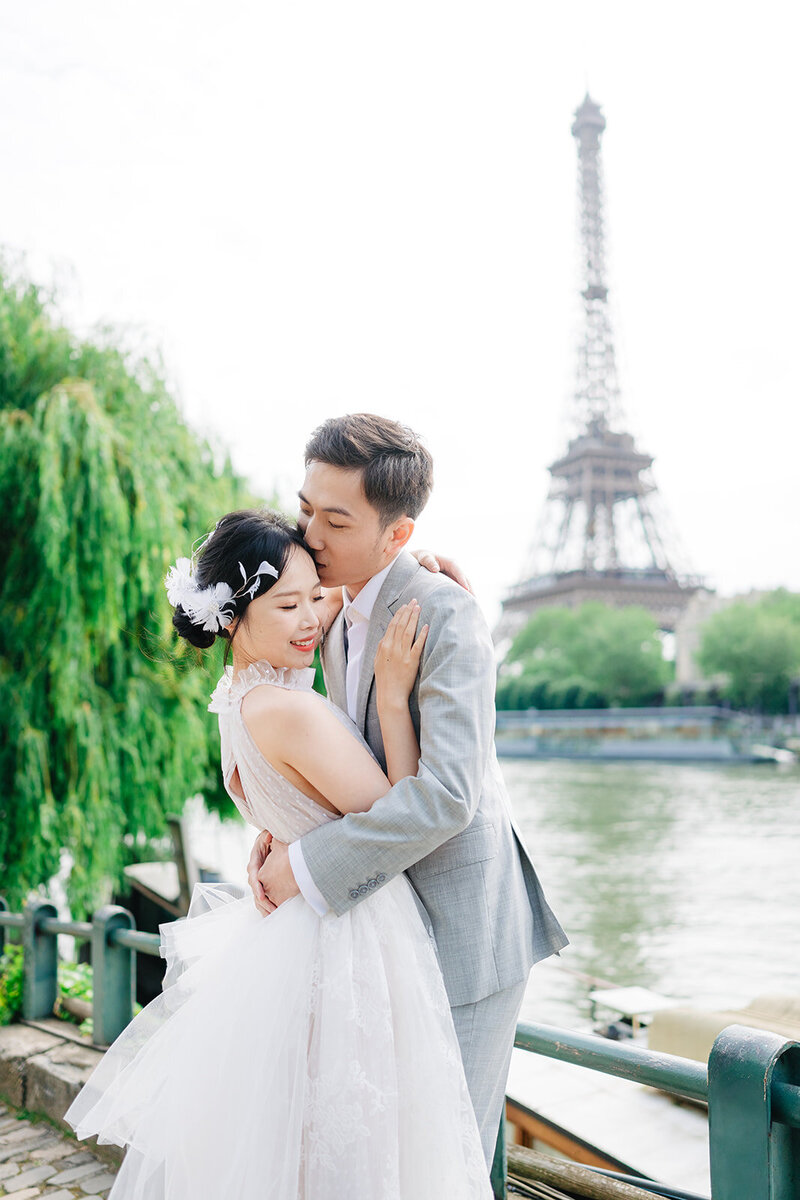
x=289, y=1056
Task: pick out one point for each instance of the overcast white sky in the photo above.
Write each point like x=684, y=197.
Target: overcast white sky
x=315, y=208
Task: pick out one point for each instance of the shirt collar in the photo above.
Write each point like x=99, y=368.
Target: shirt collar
x=363, y=604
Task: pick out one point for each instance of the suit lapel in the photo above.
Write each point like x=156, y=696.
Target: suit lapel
x=402, y=572
x=334, y=664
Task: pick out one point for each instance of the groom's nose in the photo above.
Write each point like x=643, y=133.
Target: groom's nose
x=310, y=535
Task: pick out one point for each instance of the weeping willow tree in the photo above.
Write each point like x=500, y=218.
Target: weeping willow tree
x=102, y=485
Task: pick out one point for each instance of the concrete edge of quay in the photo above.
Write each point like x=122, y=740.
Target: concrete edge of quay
x=43, y=1066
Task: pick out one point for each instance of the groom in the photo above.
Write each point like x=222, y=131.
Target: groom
x=450, y=827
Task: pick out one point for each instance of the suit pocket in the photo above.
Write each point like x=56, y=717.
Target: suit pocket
x=472, y=846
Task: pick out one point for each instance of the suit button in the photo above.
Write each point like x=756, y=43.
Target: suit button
x=354, y=894
x=372, y=883
x=362, y=891
x=381, y=878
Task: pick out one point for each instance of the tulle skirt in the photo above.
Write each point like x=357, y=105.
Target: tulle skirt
x=290, y=1057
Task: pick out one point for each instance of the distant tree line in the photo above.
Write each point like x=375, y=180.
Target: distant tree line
x=755, y=646
x=595, y=656
x=592, y=656
x=102, y=485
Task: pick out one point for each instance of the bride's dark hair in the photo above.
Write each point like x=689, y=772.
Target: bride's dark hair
x=250, y=537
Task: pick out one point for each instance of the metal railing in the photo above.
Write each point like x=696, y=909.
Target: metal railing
x=751, y=1084
x=114, y=941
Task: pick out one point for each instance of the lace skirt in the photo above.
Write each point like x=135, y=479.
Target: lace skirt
x=290, y=1057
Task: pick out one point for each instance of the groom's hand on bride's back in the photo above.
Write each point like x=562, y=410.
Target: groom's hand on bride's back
x=447, y=566
x=256, y=861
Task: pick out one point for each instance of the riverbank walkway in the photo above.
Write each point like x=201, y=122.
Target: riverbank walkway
x=38, y=1160
x=42, y=1067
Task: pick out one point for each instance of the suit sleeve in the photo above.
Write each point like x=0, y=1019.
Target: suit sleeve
x=457, y=718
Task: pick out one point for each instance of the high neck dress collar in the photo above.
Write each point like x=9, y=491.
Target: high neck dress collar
x=231, y=688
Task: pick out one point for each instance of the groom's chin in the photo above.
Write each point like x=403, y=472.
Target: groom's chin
x=329, y=578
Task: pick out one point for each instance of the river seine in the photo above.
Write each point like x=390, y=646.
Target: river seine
x=681, y=878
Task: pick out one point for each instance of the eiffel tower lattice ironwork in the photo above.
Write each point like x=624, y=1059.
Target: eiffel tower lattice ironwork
x=599, y=538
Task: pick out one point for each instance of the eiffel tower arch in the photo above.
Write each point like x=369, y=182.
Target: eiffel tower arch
x=600, y=536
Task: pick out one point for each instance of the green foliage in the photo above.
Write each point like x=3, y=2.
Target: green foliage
x=782, y=603
x=75, y=979
x=588, y=657
x=102, y=485
x=756, y=646
x=11, y=982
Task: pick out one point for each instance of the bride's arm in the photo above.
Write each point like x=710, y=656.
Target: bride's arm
x=298, y=732
x=302, y=737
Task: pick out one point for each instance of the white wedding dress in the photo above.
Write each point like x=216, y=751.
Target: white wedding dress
x=292, y=1056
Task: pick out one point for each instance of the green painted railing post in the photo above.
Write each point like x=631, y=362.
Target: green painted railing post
x=40, y=985
x=499, y=1168
x=113, y=980
x=751, y=1156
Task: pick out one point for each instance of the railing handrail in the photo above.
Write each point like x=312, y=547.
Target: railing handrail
x=785, y=1104
x=77, y=929
x=145, y=943
x=678, y=1076
x=667, y=1072
x=136, y=939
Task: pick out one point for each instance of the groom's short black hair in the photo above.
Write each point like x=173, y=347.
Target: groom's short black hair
x=397, y=468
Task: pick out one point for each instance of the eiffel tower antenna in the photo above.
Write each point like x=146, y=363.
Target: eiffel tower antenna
x=597, y=389
x=598, y=538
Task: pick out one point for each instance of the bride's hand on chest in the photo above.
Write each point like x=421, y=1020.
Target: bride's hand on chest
x=398, y=657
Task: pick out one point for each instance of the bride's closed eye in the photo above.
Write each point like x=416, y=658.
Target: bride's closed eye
x=289, y=607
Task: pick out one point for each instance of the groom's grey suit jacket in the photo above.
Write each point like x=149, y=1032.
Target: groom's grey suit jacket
x=450, y=828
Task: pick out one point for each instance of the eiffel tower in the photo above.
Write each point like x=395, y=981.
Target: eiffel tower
x=598, y=537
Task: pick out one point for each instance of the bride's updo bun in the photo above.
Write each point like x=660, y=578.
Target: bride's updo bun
x=244, y=540
x=194, y=634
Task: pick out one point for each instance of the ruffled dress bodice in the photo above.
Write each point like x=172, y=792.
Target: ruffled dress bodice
x=270, y=800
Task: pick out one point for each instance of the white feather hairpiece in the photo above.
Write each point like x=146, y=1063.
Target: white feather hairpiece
x=212, y=607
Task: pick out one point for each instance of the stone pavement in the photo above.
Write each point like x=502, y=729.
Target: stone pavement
x=37, y=1160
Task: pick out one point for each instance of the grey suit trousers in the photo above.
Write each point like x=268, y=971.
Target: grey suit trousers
x=485, y=1032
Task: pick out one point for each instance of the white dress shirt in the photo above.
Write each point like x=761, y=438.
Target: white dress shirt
x=357, y=612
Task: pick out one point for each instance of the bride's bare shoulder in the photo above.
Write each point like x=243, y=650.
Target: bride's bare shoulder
x=282, y=722
x=268, y=705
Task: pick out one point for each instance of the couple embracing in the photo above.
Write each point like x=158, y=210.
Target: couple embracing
x=350, y=1032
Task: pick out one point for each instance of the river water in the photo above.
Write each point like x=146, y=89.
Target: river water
x=681, y=878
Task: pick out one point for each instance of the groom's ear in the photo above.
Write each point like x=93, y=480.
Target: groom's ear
x=399, y=533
